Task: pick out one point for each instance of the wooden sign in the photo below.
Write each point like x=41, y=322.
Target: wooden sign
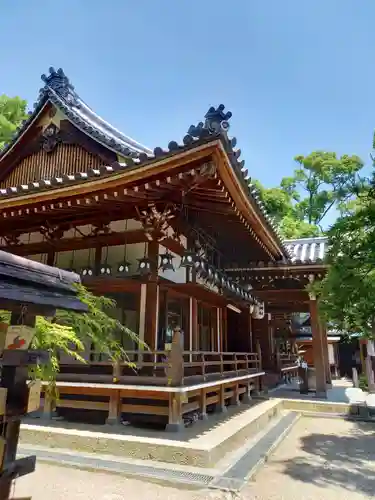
x=3, y=400
x=35, y=389
x=24, y=358
x=19, y=337
x=18, y=468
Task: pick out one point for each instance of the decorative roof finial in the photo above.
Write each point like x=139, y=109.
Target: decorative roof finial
x=217, y=120
x=59, y=83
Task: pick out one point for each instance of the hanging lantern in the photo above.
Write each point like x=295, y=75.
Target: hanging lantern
x=218, y=278
x=144, y=266
x=166, y=262
x=188, y=259
x=87, y=271
x=210, y=274
x=199, y=263
x=124, y=267
x=105, y=270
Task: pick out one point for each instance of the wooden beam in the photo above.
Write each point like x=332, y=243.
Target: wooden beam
x=64, y=244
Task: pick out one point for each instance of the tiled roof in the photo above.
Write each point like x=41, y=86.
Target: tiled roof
x=61, y=93
x=307, y=250
x=23, y=280
x=58, y=90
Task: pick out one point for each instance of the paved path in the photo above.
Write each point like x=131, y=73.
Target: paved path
x=321, y=459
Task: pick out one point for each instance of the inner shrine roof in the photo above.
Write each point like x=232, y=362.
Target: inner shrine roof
x=60, y=92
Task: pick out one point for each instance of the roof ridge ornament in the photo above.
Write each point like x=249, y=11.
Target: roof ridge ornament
x=60, y=83
x=216, y=122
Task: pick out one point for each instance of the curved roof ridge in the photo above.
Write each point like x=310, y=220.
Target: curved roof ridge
x=107, y=127
x=59, y=90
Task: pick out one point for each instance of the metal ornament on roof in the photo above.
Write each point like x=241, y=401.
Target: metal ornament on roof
x=166, y=262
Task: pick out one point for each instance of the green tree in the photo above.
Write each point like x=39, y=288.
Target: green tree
x=347, y=292
x=68, y=332
x=321, y=183
x=12, y=113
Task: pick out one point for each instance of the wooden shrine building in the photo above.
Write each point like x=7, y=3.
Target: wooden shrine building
x=170, y=234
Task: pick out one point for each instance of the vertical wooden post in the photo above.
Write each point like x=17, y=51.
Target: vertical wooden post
x=225, y=329
x=142, y=312
x=12, y=378
x=220, y=406
x=326, y=355
x=175, y=420
x=193, y=305
x=317, y=344
x=114, y=410
x=50, y=257
x=98, y=259
x=203, y=404
x=152, y=294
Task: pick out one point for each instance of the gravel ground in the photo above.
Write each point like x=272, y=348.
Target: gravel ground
x=322, y=459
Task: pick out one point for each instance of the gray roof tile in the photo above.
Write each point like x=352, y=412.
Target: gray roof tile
x=307, y=250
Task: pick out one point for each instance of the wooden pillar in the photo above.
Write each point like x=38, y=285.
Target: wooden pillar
x=193, y=324
x=218, y=329
x=317, y=344
x=51, y=258
x=142, y=312
x=98, y=259
x=152, y=298
x=225, y=329
x=326, y=355
x=261, y=334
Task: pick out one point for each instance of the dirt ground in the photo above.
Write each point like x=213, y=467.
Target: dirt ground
x=322, y=459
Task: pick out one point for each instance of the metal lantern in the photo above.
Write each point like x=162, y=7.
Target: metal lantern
x=166, y=262
x=124, y=267
x=105, y=270
x=87, y=271
x=223, y=281
x=218, y=278
x=199, y=263
x=210, y=274
x=188, y=259
x=144, y=266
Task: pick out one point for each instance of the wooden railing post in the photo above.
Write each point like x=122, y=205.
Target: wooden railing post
x=203, y=361
x=175, y=370
x=114, y=410
x=175, y=420
x=259, y=353
x=203, y=404
x=117, y=372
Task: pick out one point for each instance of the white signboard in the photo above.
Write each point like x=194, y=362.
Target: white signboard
x=19, y=337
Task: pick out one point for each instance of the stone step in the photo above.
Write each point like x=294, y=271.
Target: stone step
x=202, y=445
x=229, y=475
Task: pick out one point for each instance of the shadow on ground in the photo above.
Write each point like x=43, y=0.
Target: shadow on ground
x=328, y=459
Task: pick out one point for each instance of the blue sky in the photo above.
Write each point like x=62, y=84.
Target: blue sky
x=297, y=75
